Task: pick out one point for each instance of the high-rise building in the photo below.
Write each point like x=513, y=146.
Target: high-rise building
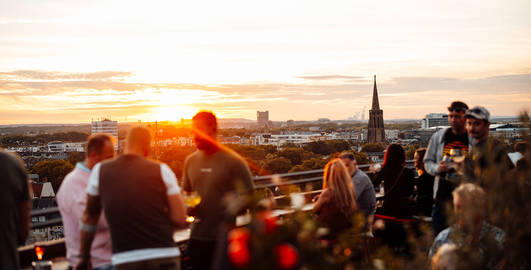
x=376, y=132
x=262, y=118
x=435, y=120
x=106, y=126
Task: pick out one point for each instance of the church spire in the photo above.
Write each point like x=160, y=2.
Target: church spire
x=375, y=103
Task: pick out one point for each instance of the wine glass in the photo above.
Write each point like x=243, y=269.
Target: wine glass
x=191, y=199
x=457, y=155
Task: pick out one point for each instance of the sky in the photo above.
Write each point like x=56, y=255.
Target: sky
x=72, y=61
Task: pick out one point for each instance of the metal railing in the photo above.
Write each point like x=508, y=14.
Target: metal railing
x=56, y=248
x=264, y=181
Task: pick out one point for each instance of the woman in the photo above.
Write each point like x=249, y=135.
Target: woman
x=336, y=204
x=398, y=186
x=398, y=182
x=424, y=184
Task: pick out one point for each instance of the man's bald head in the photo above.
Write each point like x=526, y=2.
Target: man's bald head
x=138, y=141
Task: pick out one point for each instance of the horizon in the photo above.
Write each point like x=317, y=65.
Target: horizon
x=307, y=60
x=493, y=117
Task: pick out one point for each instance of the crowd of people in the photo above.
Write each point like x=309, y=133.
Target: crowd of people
x=120, y=212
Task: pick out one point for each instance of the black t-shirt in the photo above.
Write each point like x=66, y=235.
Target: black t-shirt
x=13, y=192
x=453, y=141
x=213, y=177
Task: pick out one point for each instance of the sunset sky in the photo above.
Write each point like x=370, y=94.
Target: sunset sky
x=70, y=61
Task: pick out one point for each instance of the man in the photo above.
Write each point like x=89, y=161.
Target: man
x=142, y=204
x=216, y=175
x=71, y=199
x=424, y=184
x=441, y=144
x=487, y=152
x=15, y=206
x=479, y=241
x=364, y=190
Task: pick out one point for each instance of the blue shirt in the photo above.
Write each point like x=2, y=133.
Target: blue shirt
x=364, y=192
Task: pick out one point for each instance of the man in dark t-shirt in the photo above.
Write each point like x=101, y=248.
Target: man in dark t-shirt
x=215, y=174
x=444, y=143
x=15, y=205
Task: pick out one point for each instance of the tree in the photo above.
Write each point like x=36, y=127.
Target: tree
x=250, y=152
x=295, y=155
x=270, y=149
x=310, y=164
x=339, y=145
x=372, y=147
x=276, y=165
x=175, y=157
x=410, y=151
x=319, y=147
x=53, y=170
x=75, y=157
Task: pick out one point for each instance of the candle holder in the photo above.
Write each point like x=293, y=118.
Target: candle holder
x=41, y=265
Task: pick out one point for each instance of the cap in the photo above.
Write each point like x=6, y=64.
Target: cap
x=478, y=112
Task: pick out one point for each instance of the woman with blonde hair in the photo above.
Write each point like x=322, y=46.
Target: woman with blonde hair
x=336, y=204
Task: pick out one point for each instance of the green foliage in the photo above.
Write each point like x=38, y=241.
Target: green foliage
x=310, y=164
x=295, y=155
x=250, y=152
x=276, y=165
x=410, y=151
x=53, y=170
x=339, y=145
x=320, y=148
x=75, y=157
x=19, y=140
x=372, y=147
x=270, y=149
x=175, y=157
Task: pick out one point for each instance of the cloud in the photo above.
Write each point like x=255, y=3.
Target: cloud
x=401, y=97
x=333, y=77
x=56, y=75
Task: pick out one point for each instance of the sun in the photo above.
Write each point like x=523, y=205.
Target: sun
x=173, y=113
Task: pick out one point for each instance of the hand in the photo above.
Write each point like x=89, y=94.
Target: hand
x=84, y=264
x=443, y=167
x=315, y=198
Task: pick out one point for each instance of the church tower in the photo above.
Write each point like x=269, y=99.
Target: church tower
x=376, y=133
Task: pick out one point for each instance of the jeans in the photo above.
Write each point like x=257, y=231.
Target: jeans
x=201, y=253
x=438, y=219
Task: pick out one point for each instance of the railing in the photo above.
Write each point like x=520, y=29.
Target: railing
x=56, y=248
x=265, y=181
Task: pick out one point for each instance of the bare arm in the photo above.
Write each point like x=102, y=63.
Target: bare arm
x=90, y=218
x=24, y=214
x=177, y=209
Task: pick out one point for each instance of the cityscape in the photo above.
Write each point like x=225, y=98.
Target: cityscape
x=289, y=135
